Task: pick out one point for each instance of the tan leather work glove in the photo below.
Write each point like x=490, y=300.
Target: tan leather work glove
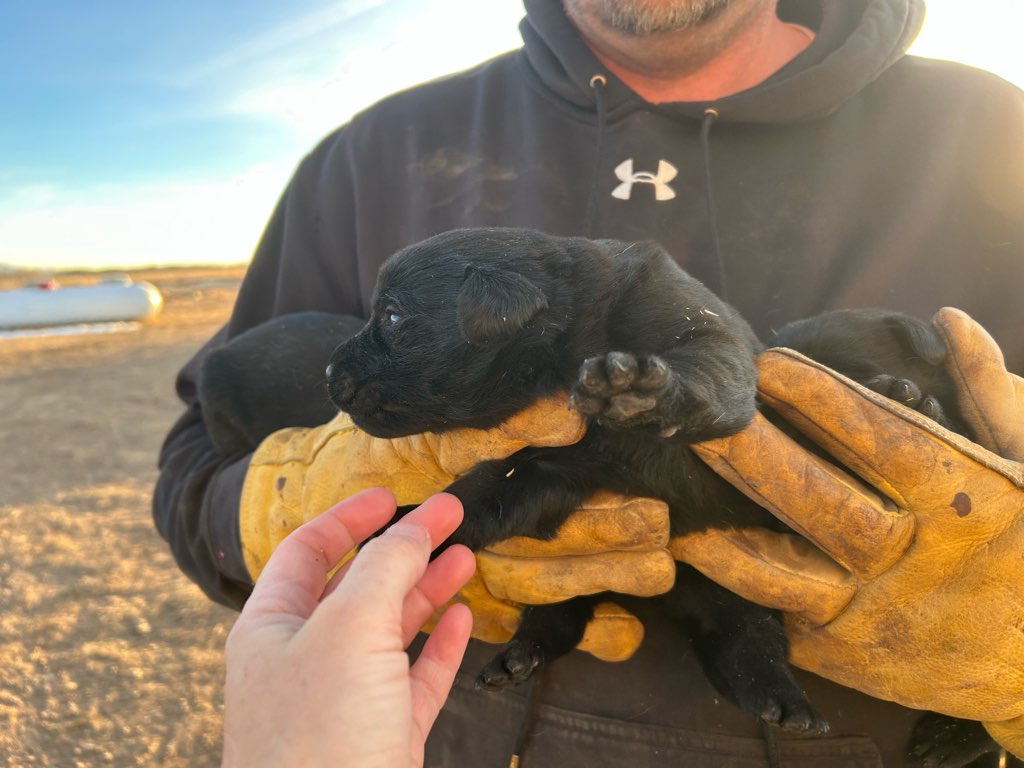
x=917, y=592
x=612, y=544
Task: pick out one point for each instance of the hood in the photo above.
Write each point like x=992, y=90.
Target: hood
x=855, y=42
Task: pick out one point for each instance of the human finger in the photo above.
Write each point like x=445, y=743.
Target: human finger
x=440, y=518
x=294, y=577
x=990, y=398
x=444, y=577
x=389, y=566
x=432, y=674
x=440, y=515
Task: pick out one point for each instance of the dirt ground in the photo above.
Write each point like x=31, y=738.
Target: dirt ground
x=108, y=655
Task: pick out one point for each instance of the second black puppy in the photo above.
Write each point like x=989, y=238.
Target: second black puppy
x=470, y=326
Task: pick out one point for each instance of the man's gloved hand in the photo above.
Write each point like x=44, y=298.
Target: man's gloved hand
x=297, y=473
x=917, y=592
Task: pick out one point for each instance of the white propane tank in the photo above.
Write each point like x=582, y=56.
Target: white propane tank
x=50, y=304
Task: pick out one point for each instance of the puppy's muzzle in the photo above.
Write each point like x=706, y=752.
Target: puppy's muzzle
x=341, y=387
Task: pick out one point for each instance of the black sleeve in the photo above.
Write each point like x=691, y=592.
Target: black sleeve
x=195, y=503
x=305, y=260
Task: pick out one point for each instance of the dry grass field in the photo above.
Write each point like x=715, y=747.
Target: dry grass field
x=108, y=655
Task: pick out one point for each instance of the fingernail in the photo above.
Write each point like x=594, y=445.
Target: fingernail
x=409, y=530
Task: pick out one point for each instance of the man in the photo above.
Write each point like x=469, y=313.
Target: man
x=791, y=157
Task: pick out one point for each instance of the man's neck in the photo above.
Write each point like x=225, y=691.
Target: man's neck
x=736, y=50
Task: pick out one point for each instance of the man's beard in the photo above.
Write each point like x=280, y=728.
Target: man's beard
x=642, y=17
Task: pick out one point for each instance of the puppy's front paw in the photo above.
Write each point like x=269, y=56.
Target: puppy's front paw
x=514, y=665
x=622, y=390
x=909, y=394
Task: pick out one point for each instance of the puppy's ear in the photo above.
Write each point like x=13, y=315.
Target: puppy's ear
x=919, y=336
x=496, y=302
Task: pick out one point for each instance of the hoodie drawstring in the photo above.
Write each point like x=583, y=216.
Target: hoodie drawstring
x=529, y=719
x=770, y=734
x=710, y=115
x=597, y=84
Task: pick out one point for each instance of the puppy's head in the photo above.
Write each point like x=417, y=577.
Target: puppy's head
x=861, y=343
x=864, y=342
x=464, y=331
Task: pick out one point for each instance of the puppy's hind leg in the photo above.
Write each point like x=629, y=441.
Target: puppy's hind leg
x=545, y=633
x=940, y=741
x=743, y=650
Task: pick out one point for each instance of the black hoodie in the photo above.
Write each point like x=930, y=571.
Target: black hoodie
x=855, y=176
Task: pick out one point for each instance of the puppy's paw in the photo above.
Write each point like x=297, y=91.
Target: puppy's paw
x=620, y=389
x=765, y=687
x=797, y=716
x=784, y=705
x=909, y=394
x=902, y=391
x=940, y=741
x=514, y=665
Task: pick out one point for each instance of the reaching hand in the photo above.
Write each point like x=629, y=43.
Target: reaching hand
x=611, y=544
x=317, y=672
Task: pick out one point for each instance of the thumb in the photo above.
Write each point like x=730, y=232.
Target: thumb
x=990, y=398
x=550, y=421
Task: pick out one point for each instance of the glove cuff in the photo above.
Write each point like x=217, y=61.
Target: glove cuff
x=273, y=501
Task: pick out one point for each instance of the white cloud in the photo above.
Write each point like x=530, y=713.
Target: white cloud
x=311, y=75
x=213, y=221
x=293, y=35
x=343, y=75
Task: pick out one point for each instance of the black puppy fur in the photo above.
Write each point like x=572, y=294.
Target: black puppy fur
x=470, y=326
x=271, y=377
x=892, y=353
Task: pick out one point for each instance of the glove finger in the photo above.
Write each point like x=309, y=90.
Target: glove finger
x=845, y=518
x=494, y=621
x=541, y=580
x=613, y=634
x=605, y=522
x=548, y=422
x=1009, y=734
x=894, y=448
x=777, y=570
x=991, y=399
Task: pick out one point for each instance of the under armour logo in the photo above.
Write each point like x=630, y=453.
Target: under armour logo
x=662, y=191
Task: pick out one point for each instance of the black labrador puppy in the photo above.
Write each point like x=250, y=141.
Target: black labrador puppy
x=497, y=290
x=470, y=326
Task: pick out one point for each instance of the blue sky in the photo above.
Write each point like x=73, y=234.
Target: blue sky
x=162, y=132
